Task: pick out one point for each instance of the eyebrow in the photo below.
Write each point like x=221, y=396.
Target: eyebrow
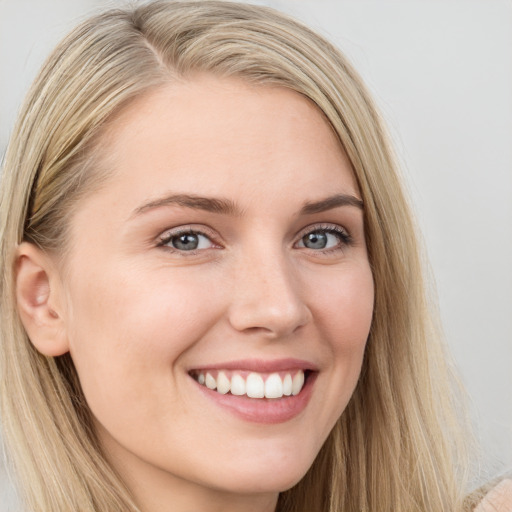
x=228, y=207
x=331, y=202
x=208, y=204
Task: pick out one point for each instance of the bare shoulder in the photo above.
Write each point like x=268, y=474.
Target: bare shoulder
x=499, y=499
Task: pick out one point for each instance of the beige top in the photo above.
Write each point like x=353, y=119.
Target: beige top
x=498, y=499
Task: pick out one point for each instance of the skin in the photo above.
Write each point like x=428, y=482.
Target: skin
x=137, y=315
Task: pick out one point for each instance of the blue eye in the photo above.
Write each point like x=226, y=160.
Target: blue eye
x=324, y=239
x=187, y=241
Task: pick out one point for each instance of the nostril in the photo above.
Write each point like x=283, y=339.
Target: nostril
x=268, y=318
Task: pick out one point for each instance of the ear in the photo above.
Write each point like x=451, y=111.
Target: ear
x=38, y=296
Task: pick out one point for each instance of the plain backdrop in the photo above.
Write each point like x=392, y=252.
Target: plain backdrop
x=441, y=71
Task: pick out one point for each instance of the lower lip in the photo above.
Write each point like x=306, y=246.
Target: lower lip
x=263, y=410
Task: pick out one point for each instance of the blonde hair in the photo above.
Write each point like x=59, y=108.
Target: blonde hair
x=398, y=446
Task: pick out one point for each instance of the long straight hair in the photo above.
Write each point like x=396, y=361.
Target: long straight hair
x=398, y=445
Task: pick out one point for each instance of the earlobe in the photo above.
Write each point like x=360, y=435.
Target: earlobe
x=37, y=294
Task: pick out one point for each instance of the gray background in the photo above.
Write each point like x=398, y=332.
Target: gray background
x=441, y=72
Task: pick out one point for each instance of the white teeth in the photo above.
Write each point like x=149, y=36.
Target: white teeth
x=223, y=383
x=287, y=385
x=297, y=383
x=210, y=382
x=237, y=385
x=273, y=386
x=254, y=386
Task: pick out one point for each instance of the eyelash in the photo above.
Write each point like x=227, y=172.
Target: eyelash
x=344, y=238
x=342, y=234
x=168, y=236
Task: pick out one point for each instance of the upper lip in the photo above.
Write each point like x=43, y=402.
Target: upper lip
x=261, y=365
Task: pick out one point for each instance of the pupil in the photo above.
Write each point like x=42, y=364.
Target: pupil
x=187, y=242
x=316, y=240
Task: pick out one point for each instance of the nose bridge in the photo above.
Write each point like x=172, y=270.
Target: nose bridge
x=266, y=295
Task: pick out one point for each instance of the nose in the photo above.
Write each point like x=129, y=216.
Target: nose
x=267, y=298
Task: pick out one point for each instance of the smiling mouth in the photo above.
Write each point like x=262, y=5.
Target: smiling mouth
x=252, y=384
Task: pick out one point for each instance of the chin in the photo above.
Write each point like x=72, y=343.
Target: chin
x=271, y=477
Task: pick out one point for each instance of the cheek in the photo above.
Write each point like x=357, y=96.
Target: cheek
x=344, y=309
x=344, y=314
x=135, y=305
x=129, y=325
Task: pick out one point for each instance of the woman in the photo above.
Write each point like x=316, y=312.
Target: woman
x=211, y=292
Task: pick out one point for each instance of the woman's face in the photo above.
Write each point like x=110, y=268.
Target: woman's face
x=226, y=249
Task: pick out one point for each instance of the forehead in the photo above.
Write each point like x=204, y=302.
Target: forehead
x=223, y=135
